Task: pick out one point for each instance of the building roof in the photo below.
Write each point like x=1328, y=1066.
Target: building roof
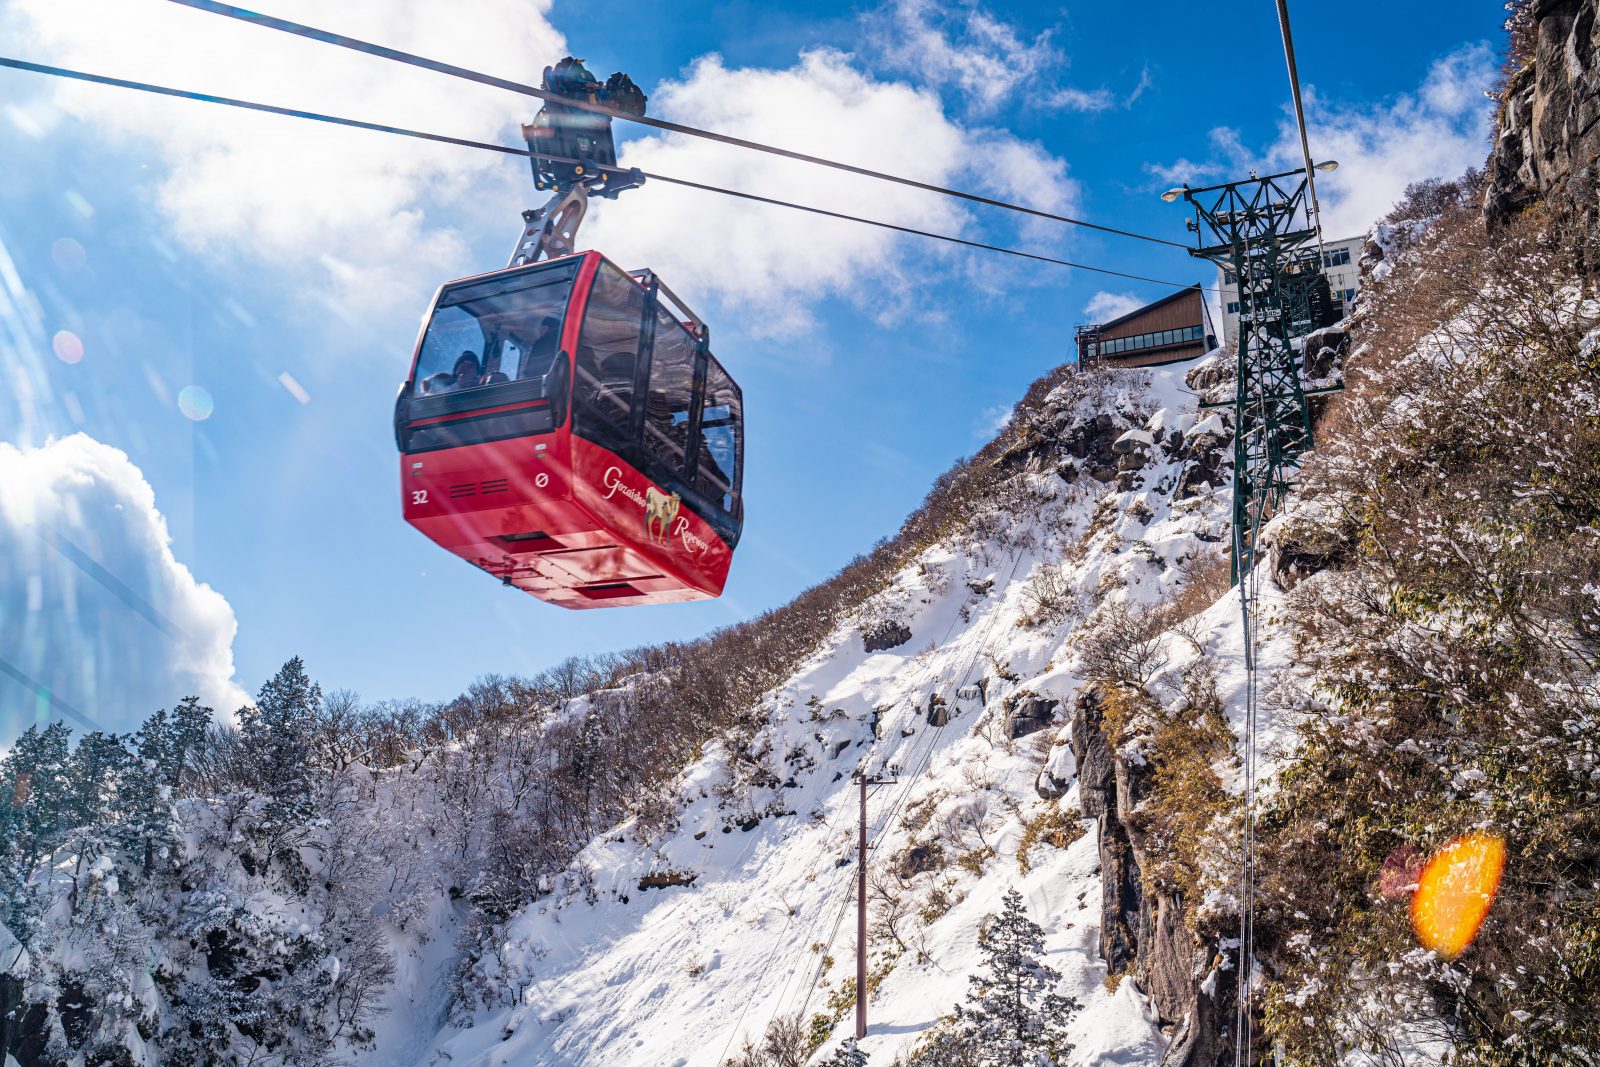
x=1136, y=312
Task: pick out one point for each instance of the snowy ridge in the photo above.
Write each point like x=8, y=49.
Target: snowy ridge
x=676, y=950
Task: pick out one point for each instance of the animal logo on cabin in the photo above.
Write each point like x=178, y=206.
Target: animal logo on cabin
x=660, y=509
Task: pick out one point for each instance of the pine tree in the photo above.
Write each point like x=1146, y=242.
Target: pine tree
x=162, y=744
x=97, y=776
x=36, y=785
x=1012, y=1019
x=166, y=739
x=846, y=1055
x=278, y=735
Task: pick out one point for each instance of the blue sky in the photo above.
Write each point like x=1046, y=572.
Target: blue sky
x=282, y=271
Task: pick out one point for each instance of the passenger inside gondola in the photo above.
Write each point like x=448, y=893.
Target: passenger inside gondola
x=464, y=375
x=720, y=431
x=538, y=355
x=510, y=334
x=494, y=368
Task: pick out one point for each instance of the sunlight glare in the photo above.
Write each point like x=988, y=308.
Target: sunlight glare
x=1455, y=893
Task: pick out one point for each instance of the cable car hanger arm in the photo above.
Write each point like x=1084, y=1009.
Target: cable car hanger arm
x=552, y=230
x=574, y=154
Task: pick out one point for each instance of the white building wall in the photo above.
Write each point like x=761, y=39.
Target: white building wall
x=1341, y=261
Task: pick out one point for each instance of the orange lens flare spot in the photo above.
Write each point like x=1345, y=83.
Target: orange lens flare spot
x=1455, y=891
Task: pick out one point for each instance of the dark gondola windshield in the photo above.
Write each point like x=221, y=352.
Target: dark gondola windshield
x=607, y=358
x=721, y=440
x=493, y=331
x=607, y=411
x=671, y=398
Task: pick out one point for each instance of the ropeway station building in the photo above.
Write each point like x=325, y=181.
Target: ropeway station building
x=1340, y=261
x=1171, y=330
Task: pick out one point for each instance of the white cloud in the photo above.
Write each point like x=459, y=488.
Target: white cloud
x=1439, y=130
x=1145, y=82
x=1082, y=99
x=1025, y=173
x=964, y=47
x=94, y=608
x=1436, y=132
x=366, y=223
x=354, y=216
x=991, y=421
x=775, y=264
x=1228, y=156
x=1104, y=306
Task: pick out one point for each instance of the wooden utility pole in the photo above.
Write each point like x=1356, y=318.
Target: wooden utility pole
x=861, y=911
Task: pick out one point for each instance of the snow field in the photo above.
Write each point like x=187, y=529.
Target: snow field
x=603, y=972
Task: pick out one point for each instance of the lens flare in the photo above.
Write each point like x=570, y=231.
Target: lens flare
x=1401, y=868
x=68, y=346
x=68, y=254
x=1454, y=894
x=195, y=403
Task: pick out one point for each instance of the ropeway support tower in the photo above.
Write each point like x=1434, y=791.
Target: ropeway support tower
x=1260, y=229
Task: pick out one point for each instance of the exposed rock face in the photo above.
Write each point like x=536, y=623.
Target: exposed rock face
x=1322, y=352
x=1028, y=713
x=1049, y=787
x=1142, y=933
x=1092, y=444
x=1212, y=372
x=1204, y=451
x=1548, y=148
x=885, y=635
x=1302, y=547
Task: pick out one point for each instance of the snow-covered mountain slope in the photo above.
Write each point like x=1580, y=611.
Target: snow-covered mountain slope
x=647, y=857
x=675, y=948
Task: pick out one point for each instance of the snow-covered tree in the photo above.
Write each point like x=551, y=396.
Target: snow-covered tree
x=162, y=746
x=1012, y=1018
x=278, y=734
x=846, y=1055
x=36, y=787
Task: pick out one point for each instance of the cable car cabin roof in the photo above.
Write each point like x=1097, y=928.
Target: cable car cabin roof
x=566, y=428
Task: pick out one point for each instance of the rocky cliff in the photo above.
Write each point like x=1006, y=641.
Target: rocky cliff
x=1144, y=932
x=1547, y=144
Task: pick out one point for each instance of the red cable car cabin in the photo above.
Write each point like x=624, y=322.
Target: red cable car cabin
x=566, y=428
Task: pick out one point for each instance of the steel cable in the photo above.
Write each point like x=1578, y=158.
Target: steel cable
x=299, y=29
x=314, y=116
x=1300, y=116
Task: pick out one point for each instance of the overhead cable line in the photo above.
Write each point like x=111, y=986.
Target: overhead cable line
x=923, y=750
x=1250, y=617
x=1300, y=117
x=299, y=29
x=273, y=109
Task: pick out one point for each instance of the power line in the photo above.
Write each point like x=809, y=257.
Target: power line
x=299, y=29
x=777, y=942
x=917, y=764
x=314, y=116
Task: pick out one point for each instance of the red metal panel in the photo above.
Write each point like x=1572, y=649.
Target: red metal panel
x=480, y=502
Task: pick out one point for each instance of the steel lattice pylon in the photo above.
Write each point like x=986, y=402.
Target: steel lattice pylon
x=1258, y=228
